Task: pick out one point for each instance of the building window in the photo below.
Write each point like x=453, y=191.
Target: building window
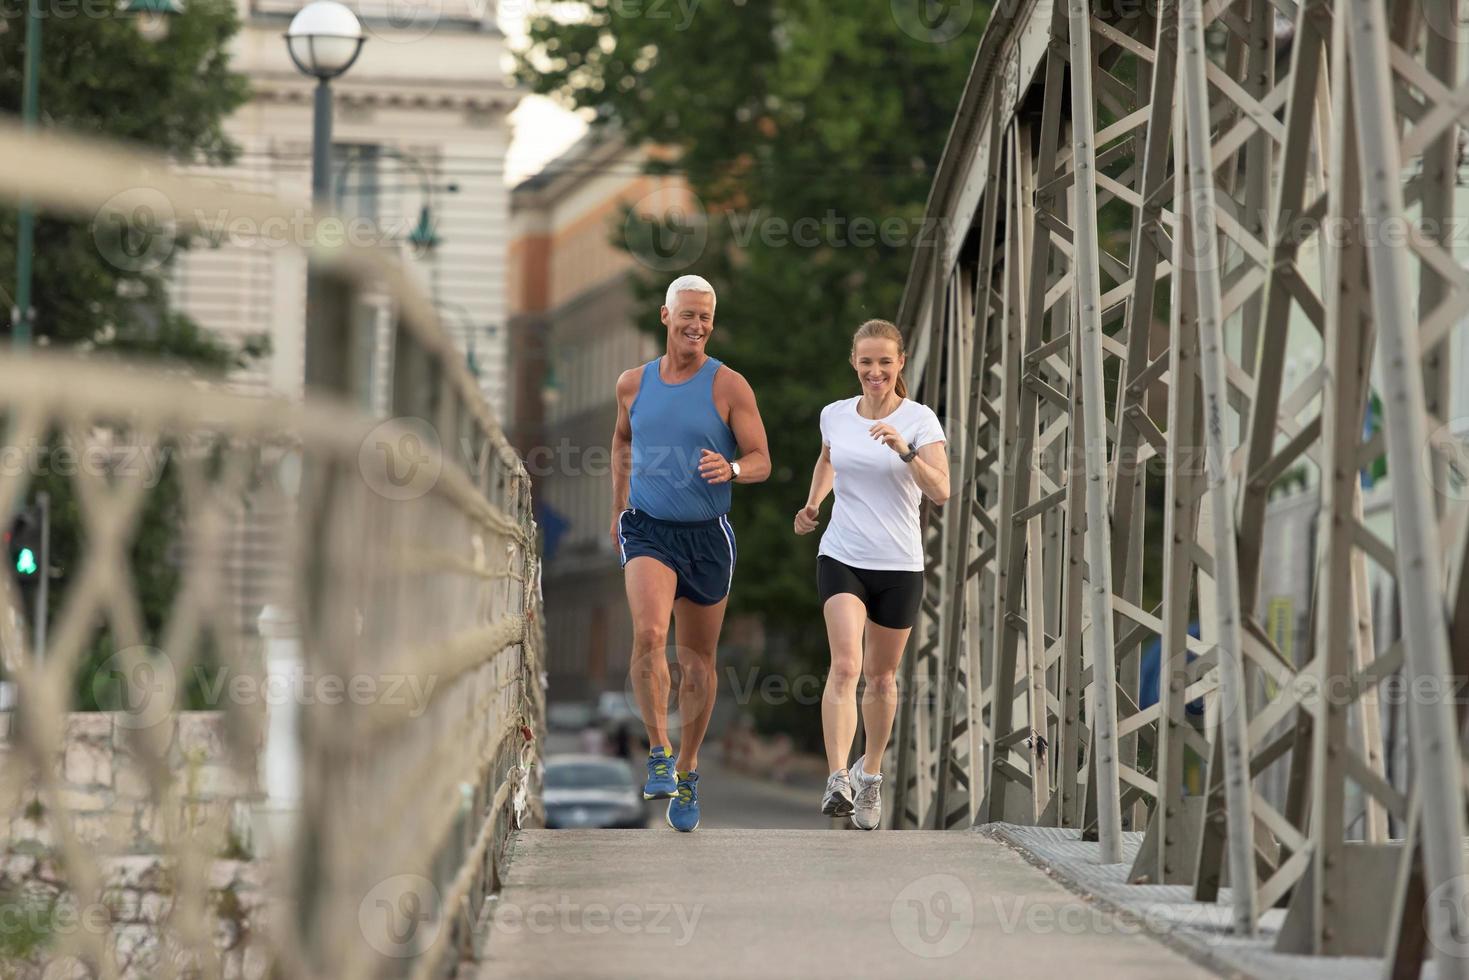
x=356, y=180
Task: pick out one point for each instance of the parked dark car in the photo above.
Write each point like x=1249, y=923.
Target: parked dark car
x=592, y=791
x=570, y=716
x=616, y=708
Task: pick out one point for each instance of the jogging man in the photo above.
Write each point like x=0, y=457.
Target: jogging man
x=687, y=427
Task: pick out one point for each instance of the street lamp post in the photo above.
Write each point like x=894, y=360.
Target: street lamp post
x=22, y=314
x=424, y=237
x=324, y=39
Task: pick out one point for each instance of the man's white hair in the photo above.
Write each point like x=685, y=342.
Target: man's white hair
x=687, y=284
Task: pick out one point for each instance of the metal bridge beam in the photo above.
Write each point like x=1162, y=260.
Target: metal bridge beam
x=1266, y=199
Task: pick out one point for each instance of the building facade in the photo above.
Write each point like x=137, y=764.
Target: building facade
x=420, y=123
x=419, y=145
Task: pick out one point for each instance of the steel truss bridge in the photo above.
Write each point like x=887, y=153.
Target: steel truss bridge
x=1185, y=248
x=1182, y=246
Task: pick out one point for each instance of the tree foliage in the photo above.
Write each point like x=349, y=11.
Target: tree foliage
x=98, y=75
x=809, y=132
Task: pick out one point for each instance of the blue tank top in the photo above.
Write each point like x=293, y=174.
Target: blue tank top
x=671, y=425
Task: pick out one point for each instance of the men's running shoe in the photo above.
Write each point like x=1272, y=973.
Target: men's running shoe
x=661, y=784
x=838, y=799
x=683, y=809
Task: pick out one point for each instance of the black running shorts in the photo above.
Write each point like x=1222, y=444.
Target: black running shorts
x=892, y=598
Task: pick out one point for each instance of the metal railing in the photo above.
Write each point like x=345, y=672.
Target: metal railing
x=406, y=555
x=1147, y=213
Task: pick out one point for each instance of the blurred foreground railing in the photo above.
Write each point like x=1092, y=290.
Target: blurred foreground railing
x=406, y=558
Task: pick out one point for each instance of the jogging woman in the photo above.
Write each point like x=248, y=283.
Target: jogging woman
x=882, y=453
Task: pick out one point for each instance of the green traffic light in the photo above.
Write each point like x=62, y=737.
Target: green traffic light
x=25, y=562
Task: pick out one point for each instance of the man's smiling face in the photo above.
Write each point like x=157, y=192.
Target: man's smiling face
x=689, y=322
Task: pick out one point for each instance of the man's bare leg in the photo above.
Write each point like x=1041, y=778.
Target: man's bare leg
x=650, y=587
x=696, y=631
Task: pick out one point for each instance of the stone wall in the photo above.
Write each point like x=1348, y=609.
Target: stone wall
x=106, y=795
x=41, y=923
x=107, y=801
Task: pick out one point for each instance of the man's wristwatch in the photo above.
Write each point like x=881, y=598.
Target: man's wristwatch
x=735, y=469
x=908, y=456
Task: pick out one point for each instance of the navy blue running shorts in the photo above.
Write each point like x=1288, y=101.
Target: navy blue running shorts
x=701, y=553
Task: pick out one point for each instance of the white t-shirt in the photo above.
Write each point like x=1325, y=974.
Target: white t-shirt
x=874, y=523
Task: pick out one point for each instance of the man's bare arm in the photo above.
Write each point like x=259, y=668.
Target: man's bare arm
x=627, y=389
x=748, y=429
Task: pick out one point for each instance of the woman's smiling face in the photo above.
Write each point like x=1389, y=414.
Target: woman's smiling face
x=878, y=363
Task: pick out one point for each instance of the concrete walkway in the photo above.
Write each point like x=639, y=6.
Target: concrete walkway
x=770, y=905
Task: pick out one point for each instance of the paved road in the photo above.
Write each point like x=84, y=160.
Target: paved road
x=730, y=800
x=786, y=903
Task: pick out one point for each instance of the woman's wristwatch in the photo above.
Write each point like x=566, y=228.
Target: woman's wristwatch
x=908, y=456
